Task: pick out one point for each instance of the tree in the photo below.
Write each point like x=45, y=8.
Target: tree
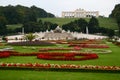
x=110, y=33
x=31, y=27
x=116, y=14
x=93, y=25
x=82, y=24
x=115, y=11
x=3, y=28
x=77, y=25
x=118, y=20
x=11, y=15
x=30, y=37
x=20, y=14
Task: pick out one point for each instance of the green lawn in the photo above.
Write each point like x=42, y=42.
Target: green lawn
x=50, y=75
x=112, y=59
x=14, y=26
x=104, y=22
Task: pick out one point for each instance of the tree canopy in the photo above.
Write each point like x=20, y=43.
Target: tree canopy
x=93, y=26
x=116, y=14
x=3, y=27
x=21, y=14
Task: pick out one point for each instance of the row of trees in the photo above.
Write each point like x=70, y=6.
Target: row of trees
x=21, y=14
x=37, y=26
x=3, y=27
x=116, y=14
x=93, y=27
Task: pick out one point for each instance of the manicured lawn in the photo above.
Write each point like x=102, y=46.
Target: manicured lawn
x=103, y=22
x=110, y=59
x=50, y=75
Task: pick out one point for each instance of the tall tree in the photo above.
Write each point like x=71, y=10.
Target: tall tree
x=93, y=25
x=3, y=27
x=11, y=14
x=116, y=14
x=77, y=25
x=30, y=36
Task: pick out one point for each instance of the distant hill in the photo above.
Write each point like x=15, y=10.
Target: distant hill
x=104, y=22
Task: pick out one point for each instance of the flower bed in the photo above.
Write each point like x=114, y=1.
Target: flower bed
x=66, y=56
x=4, y=54
x=57, y=49
x=98, y=51
x=58, y=41
x=89, y=45
x=31, y=43
x=52, y=55
x=64, y=67
x=90, y=41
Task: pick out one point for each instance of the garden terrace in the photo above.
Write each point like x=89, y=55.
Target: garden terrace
x=23, y=62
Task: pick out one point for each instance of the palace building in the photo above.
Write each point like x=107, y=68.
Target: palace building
x=80, y=13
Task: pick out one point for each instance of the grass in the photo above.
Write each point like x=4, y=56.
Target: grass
x=46, y=75
x=14, y=26
x=104, y=59
x=103, y=22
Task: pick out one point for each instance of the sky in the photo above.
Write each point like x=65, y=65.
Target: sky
x=57, y=6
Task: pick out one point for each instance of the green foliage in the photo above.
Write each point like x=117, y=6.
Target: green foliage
x=93, y=25
x=30, y=36
x=31, y=27
x=116, y=14
x=115, y=11
x=20, y=14
x=3, y=27
x=38, y=26
x=93, y=22
x=77, y=25
x=103, y=22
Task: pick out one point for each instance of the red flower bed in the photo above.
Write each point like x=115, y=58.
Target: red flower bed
x=66, y=56
x=4, y=54
x=89, y=45
x=51, y=55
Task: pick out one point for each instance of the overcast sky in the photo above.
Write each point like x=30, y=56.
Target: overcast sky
x=57, y=6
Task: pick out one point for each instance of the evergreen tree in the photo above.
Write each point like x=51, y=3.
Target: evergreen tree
x=93, y=25
x=116, y=14
x=3, y=28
